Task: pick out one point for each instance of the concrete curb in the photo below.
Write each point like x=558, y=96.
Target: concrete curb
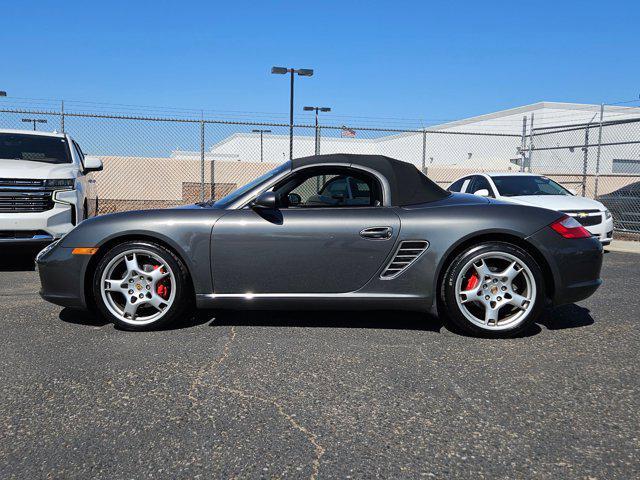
x=623, y=246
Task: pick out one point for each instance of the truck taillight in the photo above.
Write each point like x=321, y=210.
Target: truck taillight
x=569, y=227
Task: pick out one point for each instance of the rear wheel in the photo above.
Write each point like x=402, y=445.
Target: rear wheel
x=142, y=285
x=494, y=288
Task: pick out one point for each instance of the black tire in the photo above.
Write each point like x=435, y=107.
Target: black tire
x=183, y=302
x=452, y=311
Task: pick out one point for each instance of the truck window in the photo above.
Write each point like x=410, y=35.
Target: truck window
x=33, y=148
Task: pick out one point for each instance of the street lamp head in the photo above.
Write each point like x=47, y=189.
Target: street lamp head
x=279, y=70
x=325, y=109
x=305, y=72
x=37, y=120
x=3, y=93
x=309, y=109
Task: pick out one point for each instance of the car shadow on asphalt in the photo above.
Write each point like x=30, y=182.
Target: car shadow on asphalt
x=90, y=319
x=566, y=316
x=559, y=318
x=15, y=259
x=379, y=319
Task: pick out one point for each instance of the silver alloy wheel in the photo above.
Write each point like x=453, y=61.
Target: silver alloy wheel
x=129, y=286
x=504, y=295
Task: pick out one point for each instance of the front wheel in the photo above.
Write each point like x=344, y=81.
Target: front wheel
x=494, y=288
x=141, y=285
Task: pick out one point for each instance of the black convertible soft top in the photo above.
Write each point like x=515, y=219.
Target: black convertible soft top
x=408, y=185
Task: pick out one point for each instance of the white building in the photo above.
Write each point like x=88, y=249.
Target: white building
x=491, y=140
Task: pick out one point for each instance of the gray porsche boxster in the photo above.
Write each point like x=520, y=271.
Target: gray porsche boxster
x=332, y=232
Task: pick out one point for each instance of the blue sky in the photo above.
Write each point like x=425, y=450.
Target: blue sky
x=397, y=60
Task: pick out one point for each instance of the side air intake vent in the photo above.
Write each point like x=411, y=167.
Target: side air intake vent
x=408, y=252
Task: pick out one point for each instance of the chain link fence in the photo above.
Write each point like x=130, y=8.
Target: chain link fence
x=598, y=159
x=152, y=162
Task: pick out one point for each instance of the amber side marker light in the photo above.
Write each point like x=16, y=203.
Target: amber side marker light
x=84, y=251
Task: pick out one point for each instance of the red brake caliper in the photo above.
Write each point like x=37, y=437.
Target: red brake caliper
x=472, y=282
x=161, y=289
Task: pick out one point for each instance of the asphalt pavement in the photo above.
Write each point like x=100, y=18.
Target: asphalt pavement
x=320, y=394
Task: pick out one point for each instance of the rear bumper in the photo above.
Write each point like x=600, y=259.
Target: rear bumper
x=575, y=264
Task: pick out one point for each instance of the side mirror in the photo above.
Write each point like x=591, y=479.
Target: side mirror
x=266, y=200
x=572, y=191
x=92, y=164
x=483, y=192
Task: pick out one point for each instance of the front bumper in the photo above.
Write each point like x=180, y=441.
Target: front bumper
x=603, y=231
x=62, y=276
x=36, y=227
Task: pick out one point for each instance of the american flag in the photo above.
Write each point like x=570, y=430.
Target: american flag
x=347, y=132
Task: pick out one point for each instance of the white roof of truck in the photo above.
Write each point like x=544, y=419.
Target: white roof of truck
x=32, y=132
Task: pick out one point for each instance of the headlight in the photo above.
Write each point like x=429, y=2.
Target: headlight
x=46, y=250
x=607, y=214
x=60, y=183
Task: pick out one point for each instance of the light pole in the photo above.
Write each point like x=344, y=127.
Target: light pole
x=34, y=121
x=303, y=72
x=261, y=132
x=317, y=109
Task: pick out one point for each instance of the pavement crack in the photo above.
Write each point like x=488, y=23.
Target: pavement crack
x=311, y=437
x=199, y=381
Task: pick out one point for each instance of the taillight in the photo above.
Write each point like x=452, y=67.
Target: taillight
x=569, y=227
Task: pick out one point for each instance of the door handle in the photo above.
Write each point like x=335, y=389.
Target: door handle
x=377, y=233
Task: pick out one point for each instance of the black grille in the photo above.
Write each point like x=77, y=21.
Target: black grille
x=590, y=220
x=20, y=182
x=24, y=196
x=587, y=221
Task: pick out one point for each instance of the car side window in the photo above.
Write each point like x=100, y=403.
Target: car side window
x=329, y=187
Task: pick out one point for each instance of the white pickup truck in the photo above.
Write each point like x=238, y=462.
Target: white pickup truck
x=44, y=188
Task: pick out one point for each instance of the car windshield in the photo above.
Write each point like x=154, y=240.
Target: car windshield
x=515, y=186
x=236, y=194
x=33, y=148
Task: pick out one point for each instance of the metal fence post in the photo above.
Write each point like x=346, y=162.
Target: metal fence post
x=523, y=143
x=319, y=136
x=595, y=192
x=202, y=160
x=530, y=144
x=62, y=116
x=585, y=159
x=424, y=151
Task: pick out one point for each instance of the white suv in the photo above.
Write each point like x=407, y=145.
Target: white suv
x=44, y=189
x=540, y=191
